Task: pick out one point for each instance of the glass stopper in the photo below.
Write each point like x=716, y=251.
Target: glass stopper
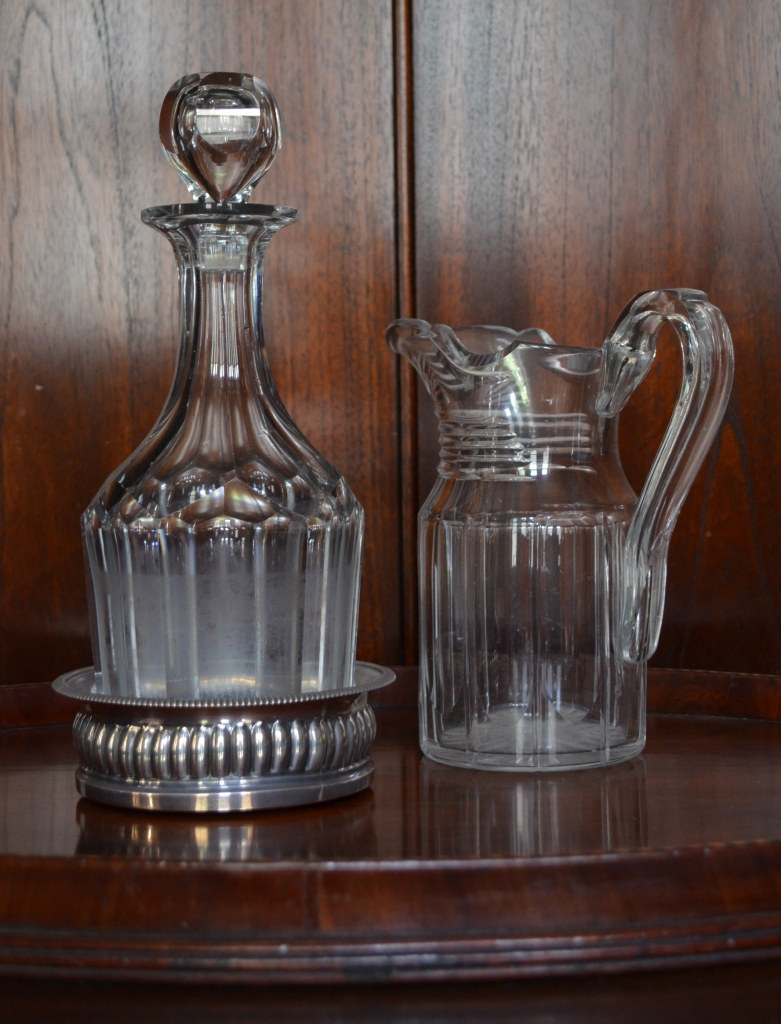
x=221, y=132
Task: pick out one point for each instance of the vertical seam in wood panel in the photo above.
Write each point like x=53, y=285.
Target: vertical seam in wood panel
x=405, y=307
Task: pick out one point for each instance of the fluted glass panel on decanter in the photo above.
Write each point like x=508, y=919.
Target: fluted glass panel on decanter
x=541, y=573
x=225, y=553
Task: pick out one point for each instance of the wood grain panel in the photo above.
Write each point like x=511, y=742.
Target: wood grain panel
x=570, y=154
x=88, y=296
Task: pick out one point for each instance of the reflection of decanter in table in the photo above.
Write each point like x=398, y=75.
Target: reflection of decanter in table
x=342, y=829
x=224, y=554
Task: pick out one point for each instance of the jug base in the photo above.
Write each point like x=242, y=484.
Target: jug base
x=509, y=740
x=510, y=737
x=544, y=762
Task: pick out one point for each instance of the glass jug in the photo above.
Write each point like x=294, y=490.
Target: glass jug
x=542, y=576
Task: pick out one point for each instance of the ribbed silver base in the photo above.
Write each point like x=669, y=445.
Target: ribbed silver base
x=166, y=756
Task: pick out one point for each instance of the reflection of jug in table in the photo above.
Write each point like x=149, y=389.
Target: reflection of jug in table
x=544, y=816
x=541, y=574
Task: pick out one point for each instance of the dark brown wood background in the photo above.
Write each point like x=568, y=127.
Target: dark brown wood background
x=524, y=162
x=570, y=154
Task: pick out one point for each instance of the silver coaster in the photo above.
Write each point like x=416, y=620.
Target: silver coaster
x=172, y=755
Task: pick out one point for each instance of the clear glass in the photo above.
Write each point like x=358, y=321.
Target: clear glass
x=224, y=555
x=220, y=132
x=541, y=574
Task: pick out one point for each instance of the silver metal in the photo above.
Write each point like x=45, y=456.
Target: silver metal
x=84, y=684
x=230, y=794
x=194, y=756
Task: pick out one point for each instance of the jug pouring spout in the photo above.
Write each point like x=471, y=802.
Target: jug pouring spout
x=456, y=359
x=708, y=361
x=420, y=344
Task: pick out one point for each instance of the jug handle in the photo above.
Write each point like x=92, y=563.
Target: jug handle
x=708, y=363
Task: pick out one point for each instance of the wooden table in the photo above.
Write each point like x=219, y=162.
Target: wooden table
x=437, y=875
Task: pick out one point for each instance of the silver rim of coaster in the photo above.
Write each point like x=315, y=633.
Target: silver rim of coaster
x=169, y=755
x=81, y=685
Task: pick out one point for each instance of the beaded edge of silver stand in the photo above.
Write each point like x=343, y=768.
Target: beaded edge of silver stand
x=227, y=759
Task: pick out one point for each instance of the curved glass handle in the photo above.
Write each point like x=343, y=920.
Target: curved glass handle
x=708, y=363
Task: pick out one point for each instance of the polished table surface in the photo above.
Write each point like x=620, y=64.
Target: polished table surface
x=480, y=884
x=701, y=781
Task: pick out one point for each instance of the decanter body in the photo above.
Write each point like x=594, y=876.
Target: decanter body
x=224, y=555
x=541, y=574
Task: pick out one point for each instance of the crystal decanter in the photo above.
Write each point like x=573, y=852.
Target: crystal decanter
x=224, y=555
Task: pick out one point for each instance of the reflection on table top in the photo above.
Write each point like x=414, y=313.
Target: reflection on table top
x=700, y=781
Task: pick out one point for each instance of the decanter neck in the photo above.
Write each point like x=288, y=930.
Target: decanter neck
x=222, y=391
x=223, y=418
x=222, y=282
x=220, y=250
x=224, y=445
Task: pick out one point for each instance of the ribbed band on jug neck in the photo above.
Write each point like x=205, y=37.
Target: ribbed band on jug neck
x=484, y=445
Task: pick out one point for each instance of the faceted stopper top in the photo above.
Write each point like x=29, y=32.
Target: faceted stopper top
x=221, y=132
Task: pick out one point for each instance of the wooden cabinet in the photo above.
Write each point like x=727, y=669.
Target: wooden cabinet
x=523, y=162
x=526, y=162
